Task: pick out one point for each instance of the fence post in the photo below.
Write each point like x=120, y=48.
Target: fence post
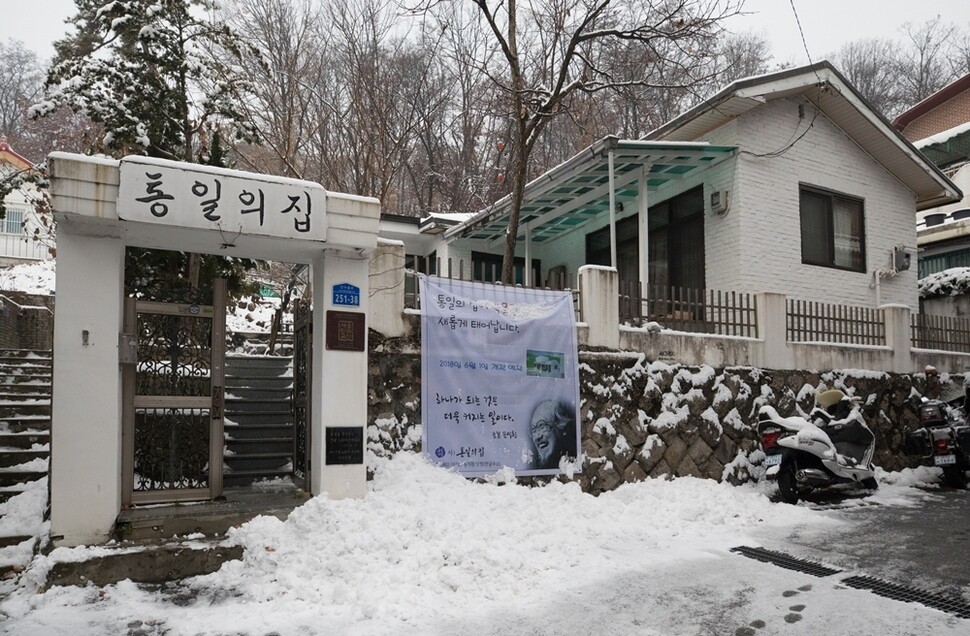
x=386, y=282
x=599, y=305
x=773, y=331
x=898, y=329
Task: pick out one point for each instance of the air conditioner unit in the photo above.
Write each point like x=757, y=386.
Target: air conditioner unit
x=719, y=202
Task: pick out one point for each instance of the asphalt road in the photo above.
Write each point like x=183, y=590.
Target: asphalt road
x=926, y=546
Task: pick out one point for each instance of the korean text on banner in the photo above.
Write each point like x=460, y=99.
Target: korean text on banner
x=500, y=379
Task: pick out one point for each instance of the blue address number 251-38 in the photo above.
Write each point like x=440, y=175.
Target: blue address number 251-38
x=346, y=294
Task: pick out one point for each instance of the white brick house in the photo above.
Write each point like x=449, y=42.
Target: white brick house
x=786, y=183
x=20, y=220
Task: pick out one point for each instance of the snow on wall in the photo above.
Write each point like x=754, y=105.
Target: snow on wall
x=641, y=419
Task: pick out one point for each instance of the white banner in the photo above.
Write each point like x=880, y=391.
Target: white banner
x=499, y=380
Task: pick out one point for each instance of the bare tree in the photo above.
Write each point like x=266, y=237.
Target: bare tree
x=872, y=65
x=21, y=82
x=284, y=58
x=923, y=66
x=552, y=52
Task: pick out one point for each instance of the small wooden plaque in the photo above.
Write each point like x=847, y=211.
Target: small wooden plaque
x=345, y=330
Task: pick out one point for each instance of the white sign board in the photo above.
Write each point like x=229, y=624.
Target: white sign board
x=207, y=198
x=499, y=381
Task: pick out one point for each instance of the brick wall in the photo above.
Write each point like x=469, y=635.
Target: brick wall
x=947, y=115
x=25, y=322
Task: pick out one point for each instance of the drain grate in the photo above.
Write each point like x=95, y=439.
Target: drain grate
x=785, y=561
x=957, y=607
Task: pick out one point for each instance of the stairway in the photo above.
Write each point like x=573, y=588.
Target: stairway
x=25, y=423
x=258, y=419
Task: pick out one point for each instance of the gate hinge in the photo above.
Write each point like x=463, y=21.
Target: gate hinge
x=128, y=348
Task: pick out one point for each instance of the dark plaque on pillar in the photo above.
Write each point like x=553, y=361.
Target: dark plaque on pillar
x=345, y=445
x=345, y=330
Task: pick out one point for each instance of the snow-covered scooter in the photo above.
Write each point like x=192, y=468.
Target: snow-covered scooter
x=833, y=446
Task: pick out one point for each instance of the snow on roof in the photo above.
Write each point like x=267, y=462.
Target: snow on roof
x=941, y=137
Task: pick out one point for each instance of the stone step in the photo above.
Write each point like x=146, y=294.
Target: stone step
x=19, y=456
x=275, y=382
x=260, y=418
x=24, y=440
x=210, y=517
x=278, y=394
x=236, y=405
x=241, y=478
x=270, y=363
x=24, y=409
x=249, y=446
x=13, y=367
x=26, y=388
x=26, y=424
x=258, y=461
x=259, y=431
x=6, y=542
x=24, y=393
x=16, y=477
x=25, y=354
x=8, y=493
x=19, y=376
x=154, y=564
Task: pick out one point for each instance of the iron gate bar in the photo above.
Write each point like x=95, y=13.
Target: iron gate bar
x=786, y=561
x=951, y=605
x=209, y=406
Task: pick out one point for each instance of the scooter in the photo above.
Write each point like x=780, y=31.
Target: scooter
x=944, y=437
x=832, y=447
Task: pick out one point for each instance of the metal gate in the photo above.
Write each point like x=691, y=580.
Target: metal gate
x=173, y=359
x=302, y=347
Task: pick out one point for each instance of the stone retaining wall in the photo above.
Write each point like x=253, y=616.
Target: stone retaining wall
x=642, y=419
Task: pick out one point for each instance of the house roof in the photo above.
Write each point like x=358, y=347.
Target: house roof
x=10, y=156
x=577, y=190
x=825, y=87
x=941, y=96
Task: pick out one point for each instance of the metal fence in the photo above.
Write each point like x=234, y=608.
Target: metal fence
x=844, y=324
x=945, y=333
x=693, y=310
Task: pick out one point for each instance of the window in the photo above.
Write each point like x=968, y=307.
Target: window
x=833, y=230
x=13, y=223
x=676, y=243
x=488, y=268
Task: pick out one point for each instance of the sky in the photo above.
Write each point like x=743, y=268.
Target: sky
x=827, y=23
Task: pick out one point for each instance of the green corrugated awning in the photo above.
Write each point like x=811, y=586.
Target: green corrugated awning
x=953, y=150
x=578, y=190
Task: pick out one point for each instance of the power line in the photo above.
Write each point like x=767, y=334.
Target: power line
x=800, y=31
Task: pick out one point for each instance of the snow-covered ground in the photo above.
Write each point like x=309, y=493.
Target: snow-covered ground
x=429, y=552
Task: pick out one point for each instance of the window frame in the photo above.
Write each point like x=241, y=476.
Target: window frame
x=7, y=220
x=832, y=196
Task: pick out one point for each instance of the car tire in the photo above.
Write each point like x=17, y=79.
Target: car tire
x=955, y=476
x=870, y=483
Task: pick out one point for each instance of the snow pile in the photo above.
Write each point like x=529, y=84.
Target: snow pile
x=253, y=315
x=950, y=282
x=23, y=515
x=30, y=278
x=428, y=552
